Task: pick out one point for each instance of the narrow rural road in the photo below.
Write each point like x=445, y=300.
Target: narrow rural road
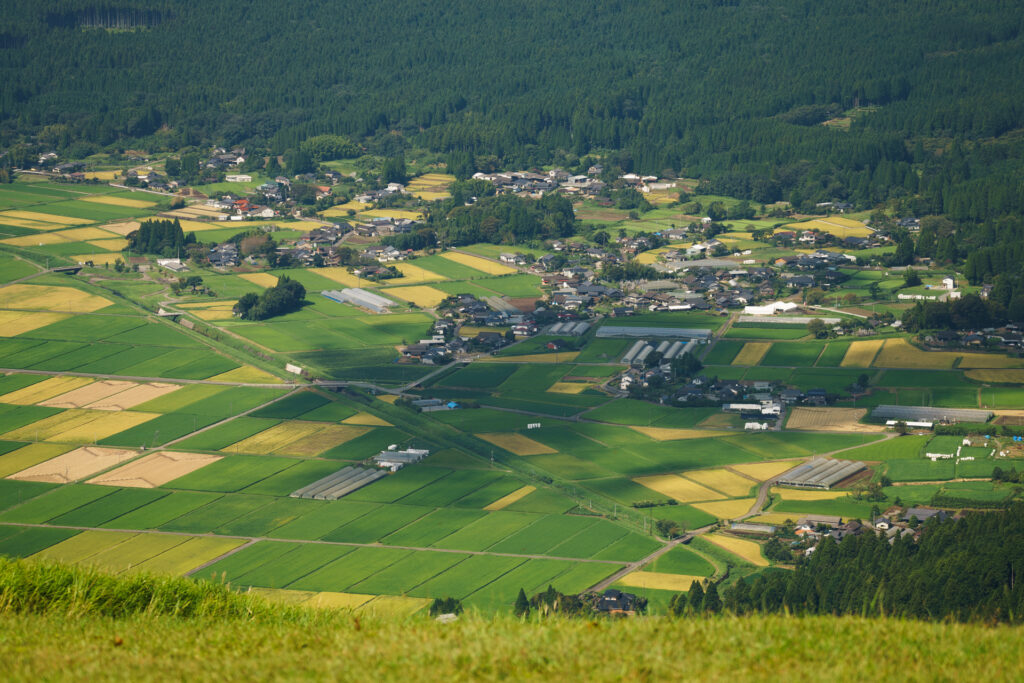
x=636, y=566
x=132, y=378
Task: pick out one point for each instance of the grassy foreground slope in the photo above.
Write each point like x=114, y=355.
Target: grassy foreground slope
x=56, y=623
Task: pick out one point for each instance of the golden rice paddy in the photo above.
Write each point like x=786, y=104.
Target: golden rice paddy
x=325, y=439
x=729, y=483
x=47, y=389
x=682, y=490
x=773, y=518
x=834, y=225
x=185, y=557
x=297, y=438
x=569, y=387
x=366, y=419
x=247, y=374
x=118, y=201
x=660, y=581
x=414, y=274
x=43, y=217
x=1006, y=376
x=200, y=226
x=38, y=240
x=479, y=263
x=751, y=353
x=102, y=175
x=156, y=469
x=860, y=354
x=50, y=298
x=133, y=396
x=84, y=234
x=516, y=443
x=727, y=509
x=13, y=323
x=97, y=259
x=748, y=550
x=802, y=494
x=113, y=244
x=831, y=420
x=651, y=256
x=989, y=361
x=559, y=357
x=394, y=213
x=74, y=465
x=79, y=425
x=763, y=471
x=342, y=277
x=513, y=497
x=122, y=228
x=27, y=456
x=672, y=434
x=421, y=295
x=261, y=279
x=343, y=209
x=899, y=353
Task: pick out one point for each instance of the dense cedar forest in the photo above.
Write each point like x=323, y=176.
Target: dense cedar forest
x=963, y=569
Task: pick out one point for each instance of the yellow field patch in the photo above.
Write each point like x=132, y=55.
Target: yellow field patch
x=366, y=419
x=332, y=600
x=660, y=581
x=261, y=279
x=421, y=295
x=763, y=471
x=75, y=465
x=114, y=244
x=751, y=353
x=43, y=217
x=110, y=257
x=323, y=440
x=729, y=483
x=727, y=509
x=183, y=558
x=831, y=420
x=200, y=226
x=247, y=374
x=214, y=314
x=83, y=396
x=671, y=434
x=50, y=298
x=47, y=389
x=860, y=354
x=83, y=234
x=840, y=227
x=107, y=424
x=41, y=239
x=774, y=518
x=554, y=357
x=989, y=361
x=118, y=201
x=102, y=175
x=133, y=396
x=13, y=323
x=394, y=213
x=394, y=605
x=80, y=547
x=431, y=180
x=27, y=456
x=429, y=195
x=748, y=550
x=516, y=443
x=277, y=437
x=122, y=228
x=674, y=486
x=343, y=209
x=479, y=263
x=505, y=501
x=342, y=276
x=802, y=494
x=569, y=387
x=1007, y=376
x=649, y=257
x=388, y=398
x=412, y=274
x=899, y=353
x=156, y=469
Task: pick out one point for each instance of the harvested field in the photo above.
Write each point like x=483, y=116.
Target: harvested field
x=107, y=424
x=751, y=353
x=831, y=420
x=659, y=581
x=802, y=494
x=90, y=393
x=413, y=274
x=85, y=234
x=270, y=440
x=517, y=443
x=729, y=483
x=860, y=354
x=118, y=201
x=42, y=391
x=50, y=298
x=568, y=387
x=323, y=440
x=366, y=419
x=670, y=434
x=122, y=228
x=200, y=226
x=74, y=465
x=1006, y=376
x=748, y=550
x=27, y=456
x=899, y=353
x=513, y=497
x=44, y=217
x=762, y=471
x=727, y=509
x=261, y=279
x=682, y=490
x=479, y=263
x=421, y=295
x=156, y=469
x=34, y=240
x=133, y=396
x=13, y=323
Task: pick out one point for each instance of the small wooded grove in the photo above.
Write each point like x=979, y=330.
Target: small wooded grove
x=284, y=297
x=160, y=237
x=967, y=569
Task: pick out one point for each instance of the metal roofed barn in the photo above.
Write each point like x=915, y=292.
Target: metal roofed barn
x=606, y=331
x=820, y=473
x=339, y=484
x=927, y=414
x=360, y=297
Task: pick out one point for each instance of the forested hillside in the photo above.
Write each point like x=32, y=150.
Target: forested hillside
x=730, y=90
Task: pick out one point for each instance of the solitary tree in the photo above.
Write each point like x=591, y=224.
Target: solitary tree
x=696, y=597
x=522, y=607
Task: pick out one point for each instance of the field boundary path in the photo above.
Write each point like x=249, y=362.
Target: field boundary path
x=171, y=380
x=228, y=419
x=643, y=562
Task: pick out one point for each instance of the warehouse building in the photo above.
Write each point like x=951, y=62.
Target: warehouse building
x=928, y=414
x=360, y=297
x=820, y=473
